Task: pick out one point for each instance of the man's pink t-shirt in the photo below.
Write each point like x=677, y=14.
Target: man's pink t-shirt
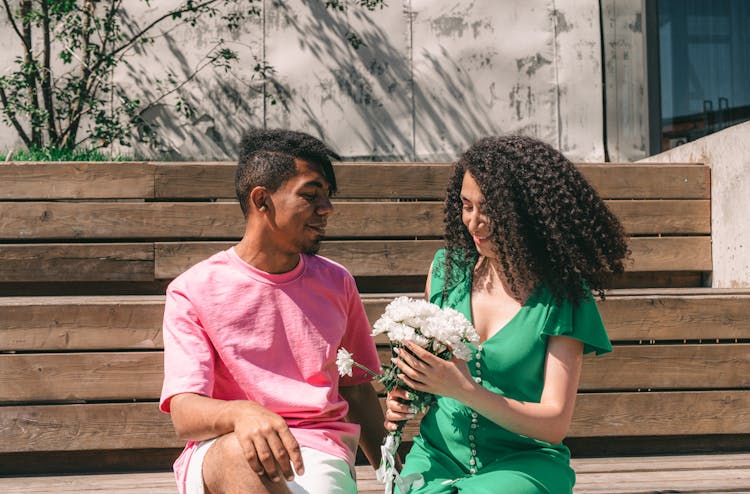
x=233, y=332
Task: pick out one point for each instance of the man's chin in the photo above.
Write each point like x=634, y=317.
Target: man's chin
x=312, y=249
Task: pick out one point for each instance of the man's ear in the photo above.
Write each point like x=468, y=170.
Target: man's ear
x=259, y=198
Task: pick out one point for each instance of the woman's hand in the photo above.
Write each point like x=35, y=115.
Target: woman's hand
x=423, y=371
x=398, y=408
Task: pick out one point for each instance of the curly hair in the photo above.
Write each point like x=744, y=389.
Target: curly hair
x=266, y=159
x=549, y=224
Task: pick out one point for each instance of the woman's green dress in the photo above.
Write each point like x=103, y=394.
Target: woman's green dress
x=459, y=450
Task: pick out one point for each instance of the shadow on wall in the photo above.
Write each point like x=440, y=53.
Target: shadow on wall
x=399, y=115
x=193, y=110
x=383, y=101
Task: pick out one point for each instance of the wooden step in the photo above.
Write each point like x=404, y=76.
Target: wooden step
x=718, y=473
x=224, y=220
x=137, y=180
x=120, y=322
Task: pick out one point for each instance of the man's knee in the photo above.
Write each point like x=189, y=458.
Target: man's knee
x=227, y=469
x=224, y=459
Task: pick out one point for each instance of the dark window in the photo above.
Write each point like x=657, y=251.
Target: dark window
x=703, y=57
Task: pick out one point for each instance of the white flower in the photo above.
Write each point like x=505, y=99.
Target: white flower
x=428, y=325
x=344, y=362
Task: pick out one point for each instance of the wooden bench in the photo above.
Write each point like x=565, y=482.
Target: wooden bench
x=88, y=248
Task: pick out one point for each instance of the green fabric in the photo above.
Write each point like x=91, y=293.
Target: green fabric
x=510, y=363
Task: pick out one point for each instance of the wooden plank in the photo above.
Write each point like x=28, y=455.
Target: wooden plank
x=413, y=257
x=653, y=367
x=90, y=461
x=687, y=473
x=355, y=180
x=648, y=180
x=77, y=262
x=194, y=180
x=694, y=481
x=657, y=367
x=625, y=464
x=362, y=258
x=81, y=323
x=674, y=317
x=81, y=376
x=141, y=425
x=210, y=220
x=218, y=220
x=659, y=279
x=655, y=413
x=85, y=427
x=670, y=254
x=615, y=475
x=134, y=321
x=429, y=180
x=661, y=413
x=120, y=220
x=76, y=180
x=650, y=217
x=104, y=483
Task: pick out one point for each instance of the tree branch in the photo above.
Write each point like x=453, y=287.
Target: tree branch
x=74, y=117
x=31, y=72
x=47, y=76
x=12, y=117
x=192, y=76
x=14, y=25
x=157, y=21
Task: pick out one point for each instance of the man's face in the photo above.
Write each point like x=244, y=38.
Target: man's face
x=299, y=210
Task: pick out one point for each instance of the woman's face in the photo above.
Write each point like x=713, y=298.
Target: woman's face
x=473, y=217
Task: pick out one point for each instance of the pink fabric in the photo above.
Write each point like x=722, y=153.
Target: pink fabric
x=233, y=332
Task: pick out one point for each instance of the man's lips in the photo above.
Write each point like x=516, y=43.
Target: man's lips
x=321, y=229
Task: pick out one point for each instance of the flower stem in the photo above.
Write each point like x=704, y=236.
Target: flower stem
x=371, y=373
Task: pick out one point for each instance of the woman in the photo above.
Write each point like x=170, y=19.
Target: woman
x=527, y=240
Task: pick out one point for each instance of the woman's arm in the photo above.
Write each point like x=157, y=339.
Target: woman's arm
x=547, y=421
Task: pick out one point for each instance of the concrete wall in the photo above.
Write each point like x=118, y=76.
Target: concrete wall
x=626, y=87
x=433, y=78
x=728, y=154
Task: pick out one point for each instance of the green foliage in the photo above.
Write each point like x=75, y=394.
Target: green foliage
x=61, y=94
x=55, y=154
x=73, y=101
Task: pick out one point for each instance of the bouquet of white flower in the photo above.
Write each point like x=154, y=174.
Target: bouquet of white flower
x=443, y=332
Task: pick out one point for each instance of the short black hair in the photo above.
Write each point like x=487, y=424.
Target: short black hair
x=266, y=159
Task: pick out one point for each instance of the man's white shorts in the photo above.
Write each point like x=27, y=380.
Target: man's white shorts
x=324, y=473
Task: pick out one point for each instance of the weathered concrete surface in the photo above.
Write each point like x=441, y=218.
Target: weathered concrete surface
x=432, y=78
x=728, y=154
x=626, y=89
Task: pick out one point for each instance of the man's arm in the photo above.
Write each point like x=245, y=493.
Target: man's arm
x=365, y=410
x=264, y=435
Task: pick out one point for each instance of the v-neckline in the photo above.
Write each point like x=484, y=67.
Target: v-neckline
x=509, y=321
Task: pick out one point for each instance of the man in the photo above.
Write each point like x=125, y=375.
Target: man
x=251, y=335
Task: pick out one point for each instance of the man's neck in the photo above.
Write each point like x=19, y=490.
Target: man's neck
x=262, y=257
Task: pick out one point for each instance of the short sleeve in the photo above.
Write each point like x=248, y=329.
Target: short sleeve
x=188, y=352
x=437, y=276
x=582, y=322
x=358, y=339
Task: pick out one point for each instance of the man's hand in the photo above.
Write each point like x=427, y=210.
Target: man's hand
x=268, y=444
x=266, y=441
